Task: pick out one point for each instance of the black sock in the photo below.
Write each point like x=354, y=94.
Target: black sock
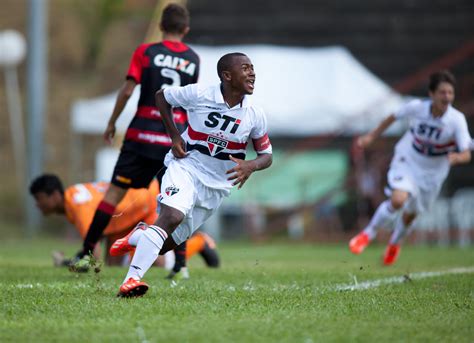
x=180, y=257
x=101, y=219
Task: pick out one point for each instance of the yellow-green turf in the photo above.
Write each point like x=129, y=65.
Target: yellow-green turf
x=274, y=292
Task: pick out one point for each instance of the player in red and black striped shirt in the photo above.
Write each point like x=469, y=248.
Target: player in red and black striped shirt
x=153, y=66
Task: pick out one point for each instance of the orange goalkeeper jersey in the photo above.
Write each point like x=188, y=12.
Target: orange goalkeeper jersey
x=81, y=202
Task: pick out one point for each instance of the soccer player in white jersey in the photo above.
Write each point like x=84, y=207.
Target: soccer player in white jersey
x=204, y=163
x=438, y=138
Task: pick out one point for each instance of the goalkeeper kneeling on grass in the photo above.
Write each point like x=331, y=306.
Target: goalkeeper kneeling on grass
x=79, y=202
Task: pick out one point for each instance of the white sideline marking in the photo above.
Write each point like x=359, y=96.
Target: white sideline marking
x=356, y=286
x=52, y=285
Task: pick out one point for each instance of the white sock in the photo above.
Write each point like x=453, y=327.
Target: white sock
x=148, y=249
x=169, y=260
x=135, y=237
x=400, y=231
x=383, y=217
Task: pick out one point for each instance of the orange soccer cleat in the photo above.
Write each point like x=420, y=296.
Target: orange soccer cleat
x=391, y=254
x=121, y=246
x=359, y=243
x=132, y=289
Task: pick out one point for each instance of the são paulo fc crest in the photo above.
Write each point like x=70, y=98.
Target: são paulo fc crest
x=171, y=190
x=216, y=144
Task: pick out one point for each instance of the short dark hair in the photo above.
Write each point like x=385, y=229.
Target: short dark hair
x=441, y=76
x=225, y=62
x=46, y=183
x=175, y=19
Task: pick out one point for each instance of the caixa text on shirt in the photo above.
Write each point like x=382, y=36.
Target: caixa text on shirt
x=173, y=62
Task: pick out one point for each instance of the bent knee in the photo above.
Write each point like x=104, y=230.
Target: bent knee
x=175, y=217
x=398, y=199
x=211, y=257
x=169, y=218
x=213, y=264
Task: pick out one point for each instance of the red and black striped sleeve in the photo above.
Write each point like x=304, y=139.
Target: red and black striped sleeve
x=138, y=62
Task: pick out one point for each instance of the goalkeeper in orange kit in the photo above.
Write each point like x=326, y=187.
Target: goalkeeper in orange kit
x=79, y=202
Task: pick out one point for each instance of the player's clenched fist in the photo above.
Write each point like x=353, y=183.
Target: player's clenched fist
x=109, y=133
x=179, y=147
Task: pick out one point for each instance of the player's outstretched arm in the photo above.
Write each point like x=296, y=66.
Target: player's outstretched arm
x=367, y=139
x=179, y=147
x=242, y=171
x=124, y=94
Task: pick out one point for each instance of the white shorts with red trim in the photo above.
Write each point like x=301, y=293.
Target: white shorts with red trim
x=182, y=190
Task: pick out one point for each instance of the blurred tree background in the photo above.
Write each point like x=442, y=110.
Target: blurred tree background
x=89, y=47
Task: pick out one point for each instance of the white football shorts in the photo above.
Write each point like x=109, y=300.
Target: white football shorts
x=183, y=191
x=422, y=184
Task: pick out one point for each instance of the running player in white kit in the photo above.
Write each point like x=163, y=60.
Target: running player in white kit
x=204, y=163
x=438, y=138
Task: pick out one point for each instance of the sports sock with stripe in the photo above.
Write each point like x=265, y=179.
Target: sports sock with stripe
x=148, y=249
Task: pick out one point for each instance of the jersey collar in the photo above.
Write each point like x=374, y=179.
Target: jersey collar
x=441, y=117
x=219, y=98
x=175, y=46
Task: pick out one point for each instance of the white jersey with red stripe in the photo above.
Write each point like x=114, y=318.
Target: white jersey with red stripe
x=430, y=139
x=216, y=131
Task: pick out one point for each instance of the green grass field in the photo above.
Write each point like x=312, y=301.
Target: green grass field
x=263, y=293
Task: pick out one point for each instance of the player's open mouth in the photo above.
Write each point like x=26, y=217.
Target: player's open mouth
x=251, y=84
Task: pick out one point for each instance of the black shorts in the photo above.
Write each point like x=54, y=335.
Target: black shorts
x=133, y=170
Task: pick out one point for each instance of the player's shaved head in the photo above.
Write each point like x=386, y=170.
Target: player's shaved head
x=226, y=62
x=47, y=183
